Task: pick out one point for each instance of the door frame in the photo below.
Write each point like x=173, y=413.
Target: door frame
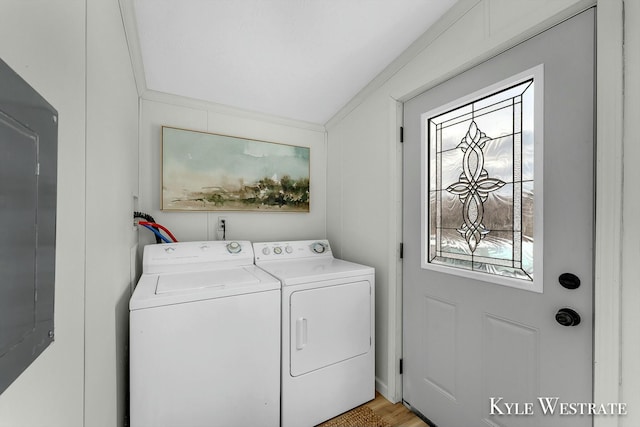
x=608, y=205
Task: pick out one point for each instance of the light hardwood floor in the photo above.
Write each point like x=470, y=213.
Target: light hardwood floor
x=395, y=414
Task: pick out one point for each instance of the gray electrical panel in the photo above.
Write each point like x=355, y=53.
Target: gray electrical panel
x=28, y=179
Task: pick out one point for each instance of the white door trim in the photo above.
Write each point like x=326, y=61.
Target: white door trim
x=394, y=382
x=608, y=233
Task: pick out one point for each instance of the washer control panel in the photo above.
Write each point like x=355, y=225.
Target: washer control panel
x=272, y=251
x=195, y=255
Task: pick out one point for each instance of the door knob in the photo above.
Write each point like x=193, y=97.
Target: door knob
x=567, y=317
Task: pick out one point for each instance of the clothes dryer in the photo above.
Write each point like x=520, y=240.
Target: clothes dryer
x=204, y=338
x=327, y=330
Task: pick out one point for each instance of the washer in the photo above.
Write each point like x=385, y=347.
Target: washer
x=327, y=330
x=204, y=338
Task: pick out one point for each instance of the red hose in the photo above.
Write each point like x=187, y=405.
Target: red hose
x=155, y=224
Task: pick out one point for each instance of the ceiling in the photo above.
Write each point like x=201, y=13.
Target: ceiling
x=298, y=59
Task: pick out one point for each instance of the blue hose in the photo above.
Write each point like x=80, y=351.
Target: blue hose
x=157, y=233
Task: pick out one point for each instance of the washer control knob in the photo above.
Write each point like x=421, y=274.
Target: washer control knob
x=277, y=250
x=266, y=250
x=288, y=249
x=318, y=247
x=234, y=247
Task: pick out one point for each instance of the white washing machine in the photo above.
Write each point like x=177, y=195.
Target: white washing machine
x=327, y=330
x=204, y=338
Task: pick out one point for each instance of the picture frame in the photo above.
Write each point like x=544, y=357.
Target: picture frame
x=204, y=171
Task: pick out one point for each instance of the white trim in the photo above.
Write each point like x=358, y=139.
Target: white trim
x=127, y=12
x=630, y=292
x=608, y=233
x=398, y=289
x=166, y=98
x=393, y=388
x=382, y=388
x=537, y=73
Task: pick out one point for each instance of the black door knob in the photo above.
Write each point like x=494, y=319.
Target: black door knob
x=567, y=317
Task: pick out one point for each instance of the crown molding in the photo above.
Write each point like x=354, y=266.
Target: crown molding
x=127, y=12
x=167, y=98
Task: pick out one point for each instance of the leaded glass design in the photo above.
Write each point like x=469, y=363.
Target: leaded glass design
x=480, y=184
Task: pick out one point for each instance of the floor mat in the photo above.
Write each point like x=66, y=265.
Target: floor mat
x=361, y=416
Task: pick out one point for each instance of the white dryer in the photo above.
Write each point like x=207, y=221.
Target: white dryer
x=327, y=330
x=204, y=338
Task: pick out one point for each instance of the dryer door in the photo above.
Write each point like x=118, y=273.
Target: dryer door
x=329, y=325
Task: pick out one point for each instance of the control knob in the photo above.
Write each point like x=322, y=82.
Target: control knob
x=318, y=247
x=234, y=247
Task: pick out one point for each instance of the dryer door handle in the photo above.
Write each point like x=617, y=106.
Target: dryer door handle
x=301, y=333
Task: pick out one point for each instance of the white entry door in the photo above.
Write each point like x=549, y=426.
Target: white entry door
x=498, y=237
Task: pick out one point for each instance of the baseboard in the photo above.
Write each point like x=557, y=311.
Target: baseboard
x=383, y=389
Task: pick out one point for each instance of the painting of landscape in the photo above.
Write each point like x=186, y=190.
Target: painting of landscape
x=210, y=172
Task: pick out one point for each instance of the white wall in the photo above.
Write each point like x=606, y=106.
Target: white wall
x=363, y=163
x=111, y=182
x=74, y=53
x=359, y=200
x=158, y=110
x=44, y=42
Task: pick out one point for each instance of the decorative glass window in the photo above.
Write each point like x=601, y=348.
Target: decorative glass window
x=479, y=211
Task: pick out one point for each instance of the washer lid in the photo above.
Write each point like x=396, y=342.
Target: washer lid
x=156, y=290
x=295, y=272
x=180, y=282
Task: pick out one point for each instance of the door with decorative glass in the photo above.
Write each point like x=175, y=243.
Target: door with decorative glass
x=498, y=237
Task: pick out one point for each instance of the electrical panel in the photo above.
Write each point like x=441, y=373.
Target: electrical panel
x=28, y=181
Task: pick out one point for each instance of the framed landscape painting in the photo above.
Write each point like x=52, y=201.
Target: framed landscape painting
x=210, y=172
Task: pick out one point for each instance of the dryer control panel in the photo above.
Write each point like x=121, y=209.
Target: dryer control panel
x=273, y=251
